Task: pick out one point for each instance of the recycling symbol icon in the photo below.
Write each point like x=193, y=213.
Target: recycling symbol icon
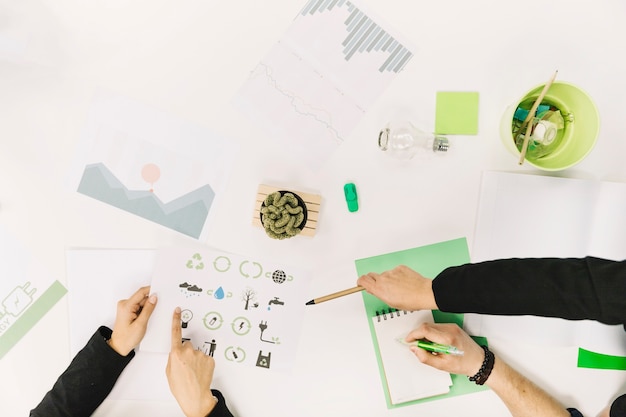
x=195, y=262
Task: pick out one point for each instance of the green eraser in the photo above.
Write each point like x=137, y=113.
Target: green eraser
x=349, y=191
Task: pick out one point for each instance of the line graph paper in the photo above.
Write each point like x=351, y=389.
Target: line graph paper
x=314, y=85
x=320, y=115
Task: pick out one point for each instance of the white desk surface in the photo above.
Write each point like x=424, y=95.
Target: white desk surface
x=56, y=54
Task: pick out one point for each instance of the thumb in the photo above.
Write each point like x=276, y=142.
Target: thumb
x=147, y=309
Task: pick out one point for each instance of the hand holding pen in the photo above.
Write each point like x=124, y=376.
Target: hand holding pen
x=446, y=347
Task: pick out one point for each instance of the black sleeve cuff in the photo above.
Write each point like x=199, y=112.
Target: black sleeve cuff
x=102, y=349
x=220, y=410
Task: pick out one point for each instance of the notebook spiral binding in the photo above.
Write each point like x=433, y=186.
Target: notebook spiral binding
x=390, y=313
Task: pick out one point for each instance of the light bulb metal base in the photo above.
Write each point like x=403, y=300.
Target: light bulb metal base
x=441, y=144
x=383, y=139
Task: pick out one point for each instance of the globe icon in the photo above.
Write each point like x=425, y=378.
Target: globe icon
x=279, y=276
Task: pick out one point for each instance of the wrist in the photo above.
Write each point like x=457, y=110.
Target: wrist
x=206, y=407
x=429, y=295
x=119, y=349
x=486, y=367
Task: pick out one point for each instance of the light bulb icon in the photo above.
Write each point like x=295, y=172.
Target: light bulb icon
x=185, y=317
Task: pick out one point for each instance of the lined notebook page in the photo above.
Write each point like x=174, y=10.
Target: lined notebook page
x=406, y=378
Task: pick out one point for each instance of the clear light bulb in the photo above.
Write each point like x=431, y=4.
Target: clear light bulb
x=402, y=140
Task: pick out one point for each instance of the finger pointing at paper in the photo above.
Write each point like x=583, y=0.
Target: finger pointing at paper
x=189, y=374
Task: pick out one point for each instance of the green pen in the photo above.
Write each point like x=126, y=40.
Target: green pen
x=438, y=347
x=432, y=346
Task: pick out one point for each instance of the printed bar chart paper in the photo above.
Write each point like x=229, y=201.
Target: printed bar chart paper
x=315, y=84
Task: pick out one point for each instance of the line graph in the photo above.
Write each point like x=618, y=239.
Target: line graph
x=299, y=105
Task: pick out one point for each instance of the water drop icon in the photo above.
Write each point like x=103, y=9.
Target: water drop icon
x=219, y=293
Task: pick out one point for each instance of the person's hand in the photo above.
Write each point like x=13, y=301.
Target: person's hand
x=400, y=287
x=131, y=321
x=189, y=374
x=448, y=334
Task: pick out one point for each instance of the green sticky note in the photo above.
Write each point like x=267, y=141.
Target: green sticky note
x=589, y=359
x=456, y=113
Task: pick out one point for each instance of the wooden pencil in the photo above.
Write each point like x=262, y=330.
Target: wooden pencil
x=527, y=122
x=335, y=295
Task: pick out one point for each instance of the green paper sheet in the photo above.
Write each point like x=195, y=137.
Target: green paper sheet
x=456, y=113
x=429, y=260
x=594, y=360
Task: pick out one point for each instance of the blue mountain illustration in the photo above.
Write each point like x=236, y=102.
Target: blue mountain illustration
x=187, y=214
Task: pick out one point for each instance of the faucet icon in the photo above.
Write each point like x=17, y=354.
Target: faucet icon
x=276, y=301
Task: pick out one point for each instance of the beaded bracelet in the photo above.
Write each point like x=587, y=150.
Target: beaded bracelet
x=485, y=370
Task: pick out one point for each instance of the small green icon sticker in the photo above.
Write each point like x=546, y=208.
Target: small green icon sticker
x=241, y=326
x=221, y=263
x=213, y=320
x=195, y=262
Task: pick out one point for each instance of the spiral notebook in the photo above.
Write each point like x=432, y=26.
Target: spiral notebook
x=405, y=377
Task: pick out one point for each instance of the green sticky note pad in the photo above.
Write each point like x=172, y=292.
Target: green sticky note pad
x=456, y=113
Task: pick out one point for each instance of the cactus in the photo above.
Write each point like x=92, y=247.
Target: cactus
x=282, y=215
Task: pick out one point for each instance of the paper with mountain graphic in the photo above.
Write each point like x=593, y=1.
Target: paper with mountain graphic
x=152, y=164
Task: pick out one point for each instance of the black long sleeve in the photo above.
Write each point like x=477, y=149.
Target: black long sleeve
x=86, y=382
x=90, y=378
x=570, y=288
x=220, y=410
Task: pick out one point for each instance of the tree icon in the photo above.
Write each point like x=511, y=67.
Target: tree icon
x=249, y=295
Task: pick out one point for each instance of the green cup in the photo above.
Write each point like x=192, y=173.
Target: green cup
x=579, y=134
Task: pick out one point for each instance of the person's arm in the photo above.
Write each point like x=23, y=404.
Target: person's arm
x=570, y=288
x=94, y=370
x=189, y=374
x=520, y=395
x=86, y=382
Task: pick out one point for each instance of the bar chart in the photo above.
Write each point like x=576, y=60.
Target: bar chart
x=314, y=85
x=364, y=35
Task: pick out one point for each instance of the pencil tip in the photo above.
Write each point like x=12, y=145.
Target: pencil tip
x=308, y=303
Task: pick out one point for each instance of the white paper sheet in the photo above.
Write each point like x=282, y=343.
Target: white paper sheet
x=241, y=310
x=151, y=164
x=27, y=291
x=315, y=84
x=539, y=216
x=97, y=280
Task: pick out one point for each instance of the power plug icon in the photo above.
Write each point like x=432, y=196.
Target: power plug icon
x=18, y=299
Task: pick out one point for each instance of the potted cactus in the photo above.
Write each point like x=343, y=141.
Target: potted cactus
x=283, y=214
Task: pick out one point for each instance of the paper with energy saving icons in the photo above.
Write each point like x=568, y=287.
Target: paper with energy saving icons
x=235, y=308
x=27, y=291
